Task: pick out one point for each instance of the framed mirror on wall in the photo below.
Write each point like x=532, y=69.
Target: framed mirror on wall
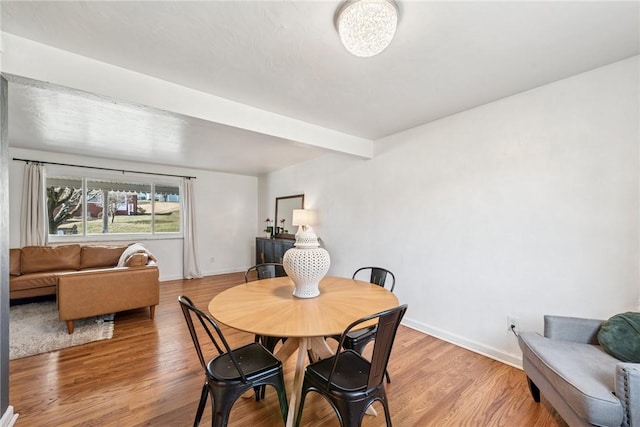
x=283, y=227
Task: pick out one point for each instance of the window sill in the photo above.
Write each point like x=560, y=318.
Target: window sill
x=92, y=238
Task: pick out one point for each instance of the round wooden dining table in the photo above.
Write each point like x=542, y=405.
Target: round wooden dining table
x=268, y=307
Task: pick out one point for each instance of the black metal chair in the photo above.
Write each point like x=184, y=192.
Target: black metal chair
x=379, y=276
x=350, y=382
x=266, y=270
x=358, y=340
x=259, y=272
x=232, y=372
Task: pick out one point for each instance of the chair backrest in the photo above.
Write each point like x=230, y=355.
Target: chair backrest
x=265, y=271
x=379, y=276
x=210, y=327
x=387, y=326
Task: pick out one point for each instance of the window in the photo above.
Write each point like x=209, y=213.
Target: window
x=90, y=207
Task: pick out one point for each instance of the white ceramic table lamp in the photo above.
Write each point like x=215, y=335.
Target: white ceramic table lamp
x=306, y=263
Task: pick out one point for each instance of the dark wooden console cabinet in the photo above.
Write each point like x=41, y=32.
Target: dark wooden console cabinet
x=271, y=250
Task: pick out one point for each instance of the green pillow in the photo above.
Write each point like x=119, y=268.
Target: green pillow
x=620, y=337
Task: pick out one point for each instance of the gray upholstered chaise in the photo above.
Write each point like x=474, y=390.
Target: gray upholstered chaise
x=581, y=381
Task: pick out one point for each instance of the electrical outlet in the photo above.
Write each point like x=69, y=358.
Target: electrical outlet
x=513, y=321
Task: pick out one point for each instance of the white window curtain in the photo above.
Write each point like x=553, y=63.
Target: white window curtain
x=33, y=222
x=190, y=262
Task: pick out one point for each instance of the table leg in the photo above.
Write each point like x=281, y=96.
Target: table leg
x=296, y=392
x=287, y=349
x=319, y=348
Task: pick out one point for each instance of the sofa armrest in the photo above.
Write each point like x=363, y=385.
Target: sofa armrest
x=94, y=292
x=572, y=329
x=628, y=391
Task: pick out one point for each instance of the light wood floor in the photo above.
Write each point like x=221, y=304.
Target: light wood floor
x=148, y=374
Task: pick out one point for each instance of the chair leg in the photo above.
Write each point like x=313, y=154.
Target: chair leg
x=386, y=374
x=201, y=405
x=387, y=415
x=535, y=391
x=282, y=398
x=263, y=390
x=350, y=413
x=277, y=382
x=303, y=395
x=222, y=401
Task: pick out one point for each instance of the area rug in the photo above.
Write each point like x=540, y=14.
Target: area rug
x=35, y=328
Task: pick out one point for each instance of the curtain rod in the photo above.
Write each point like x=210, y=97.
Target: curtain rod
x=104, y=169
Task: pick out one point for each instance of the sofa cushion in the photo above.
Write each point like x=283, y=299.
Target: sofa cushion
x=620, y=337
x=46, y=258
x=35, y=280
x=582, y=373
x=15, y=260
x=100, y=256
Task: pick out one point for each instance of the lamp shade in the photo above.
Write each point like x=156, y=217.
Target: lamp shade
x=303, y=217
x=366, y=27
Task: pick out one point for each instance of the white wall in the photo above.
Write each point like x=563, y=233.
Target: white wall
x=226, y=207
x=524, y=207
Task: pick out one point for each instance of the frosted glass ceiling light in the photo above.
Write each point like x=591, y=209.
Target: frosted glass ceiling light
x=366, y=27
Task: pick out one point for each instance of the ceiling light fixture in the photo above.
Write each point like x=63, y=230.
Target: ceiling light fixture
x=366, y=27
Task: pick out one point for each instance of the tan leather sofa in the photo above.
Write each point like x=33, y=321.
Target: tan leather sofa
x=87, y=280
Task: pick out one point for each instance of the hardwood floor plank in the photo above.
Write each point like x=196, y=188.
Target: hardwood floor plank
x=148, y=375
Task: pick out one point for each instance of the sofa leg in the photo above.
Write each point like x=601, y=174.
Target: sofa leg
x=70, y=326
x=535, y=391
x=152, y=311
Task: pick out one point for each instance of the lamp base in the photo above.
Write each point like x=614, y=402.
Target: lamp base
x=306, y=291
x=306, y=267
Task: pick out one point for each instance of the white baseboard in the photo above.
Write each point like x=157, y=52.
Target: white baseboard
x=8, y=418
x=205, y=273
x=225, y=271
x=168, y=278
x=467, y=344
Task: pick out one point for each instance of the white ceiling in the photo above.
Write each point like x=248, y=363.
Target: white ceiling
x=56, y=119
x=285, y=57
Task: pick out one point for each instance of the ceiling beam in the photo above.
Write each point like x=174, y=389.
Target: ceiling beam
x=26, y=58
